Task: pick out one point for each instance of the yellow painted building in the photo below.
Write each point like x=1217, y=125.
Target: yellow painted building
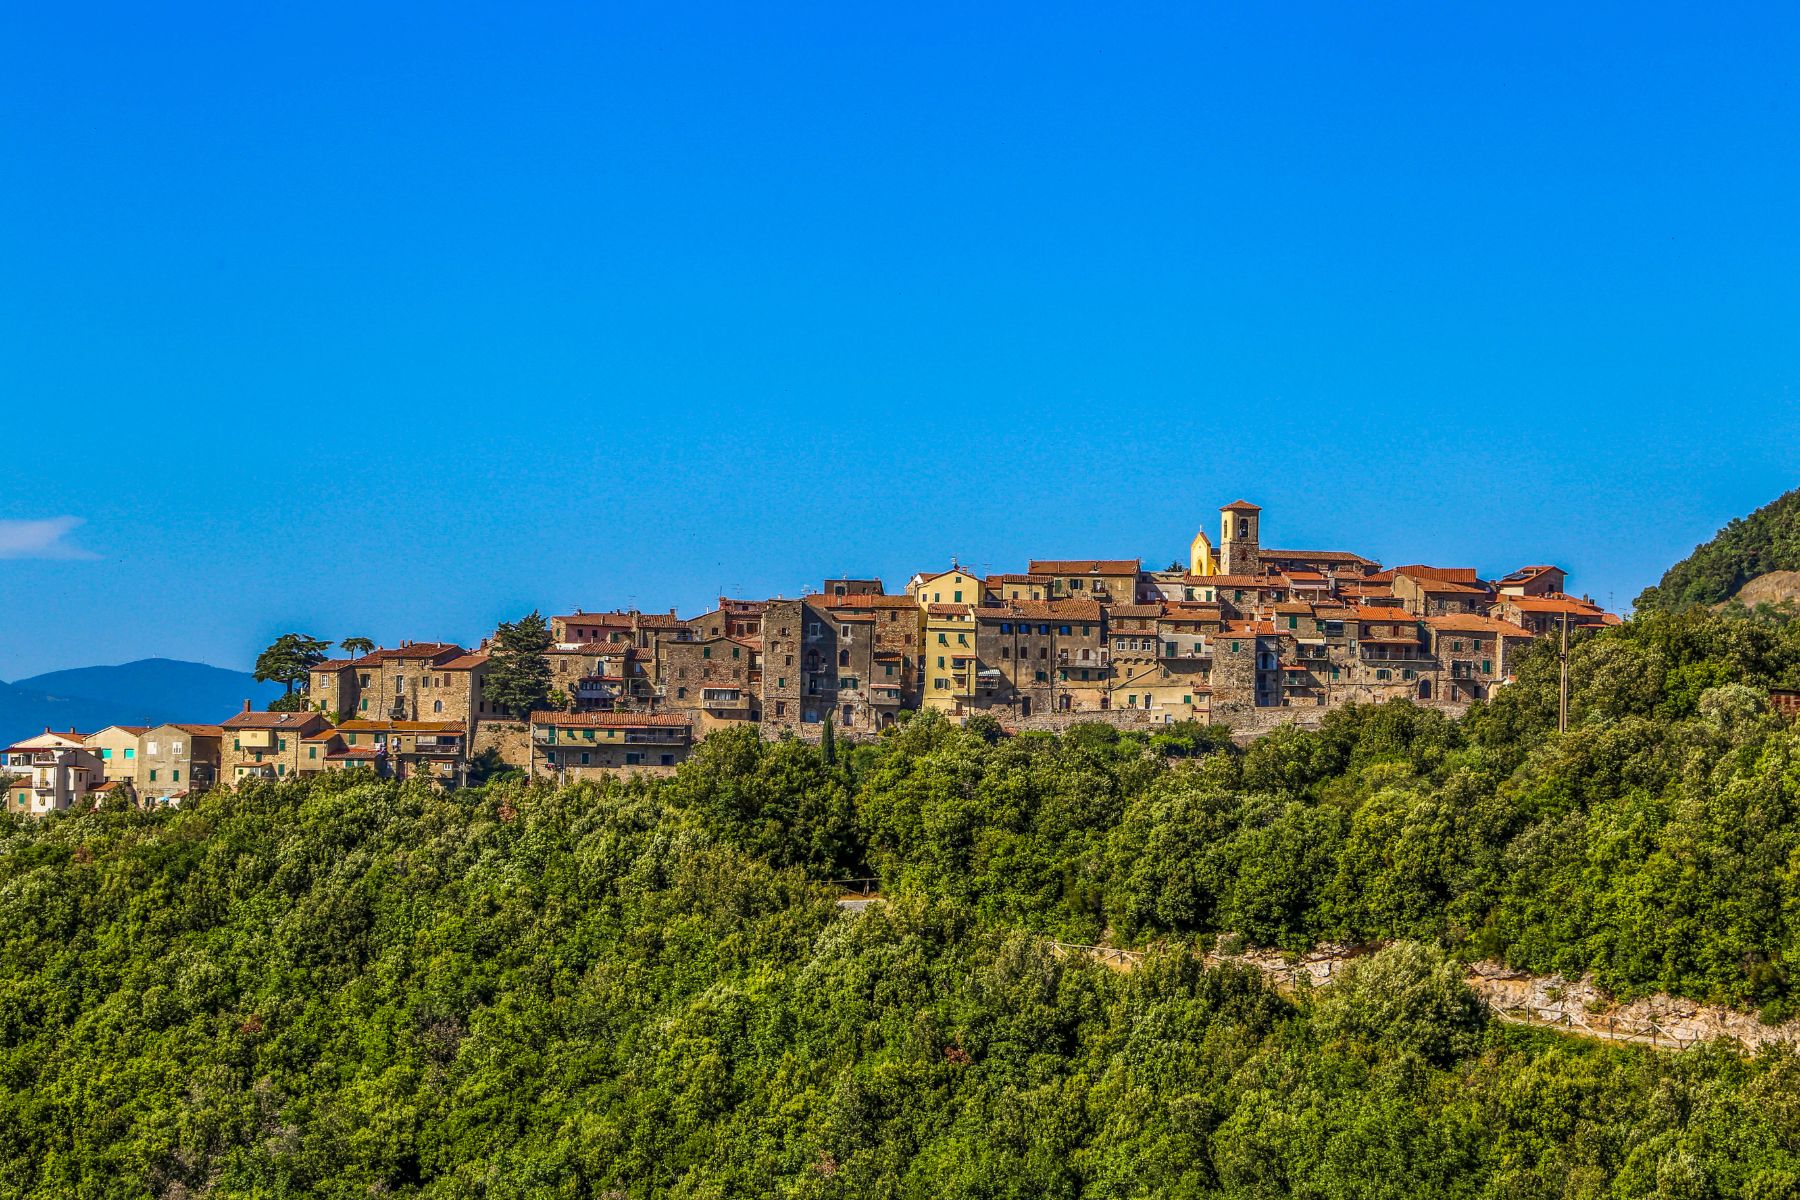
x=948, y=651
x=117, y=746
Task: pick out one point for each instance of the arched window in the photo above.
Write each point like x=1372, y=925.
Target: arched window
x=437, y=706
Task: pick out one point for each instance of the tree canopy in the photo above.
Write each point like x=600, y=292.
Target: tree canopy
x=518, y=677
x=288, y=659
x=1766, y=540
x=341, y=986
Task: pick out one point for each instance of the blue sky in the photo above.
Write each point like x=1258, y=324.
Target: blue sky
x=399, y=321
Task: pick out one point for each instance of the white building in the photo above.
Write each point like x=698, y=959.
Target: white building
x=58, y=770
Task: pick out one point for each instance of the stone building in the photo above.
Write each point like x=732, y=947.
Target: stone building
x=1470, y=653
x=1426, y=595
x=712, y=681
x=176, y=761
x=1036, y=657
x=265, y=745
x=401, y=684
x=574, y=746
x=1106, y=580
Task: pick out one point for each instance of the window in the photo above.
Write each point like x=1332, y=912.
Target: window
x=1042, y=677
x=843, y=658
x=312, y=752
x=1234, y=647
x=940, y=662
x=706, y=652
x=584, y=758
x=281, y=743
x=956, y=597
x=1487, y=666
x=399, y=685
x=1293, y=622
x=364, y=705
x=1187, y=699
x=1063, y=630
x=781, y=708
x=1006, y=627
x=153, y=776
x=962, y=639
x=1383, y=673
x=734, y=651
x=130, y=753
x=668, y=760
x=437, y=706
x=634, y=758
x=105, y=752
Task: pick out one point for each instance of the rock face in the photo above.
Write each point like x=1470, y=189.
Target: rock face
x=1573, y=1005
x=1776, y=587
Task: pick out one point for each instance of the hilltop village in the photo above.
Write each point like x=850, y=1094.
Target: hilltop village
x=1245, y=636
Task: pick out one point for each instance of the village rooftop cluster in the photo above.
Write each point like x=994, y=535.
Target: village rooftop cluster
x=1245, y=636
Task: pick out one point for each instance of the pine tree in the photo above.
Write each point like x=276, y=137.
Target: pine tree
x=828, y=742
x=518, y=678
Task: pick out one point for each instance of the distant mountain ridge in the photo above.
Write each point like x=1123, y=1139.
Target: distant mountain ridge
x=146, y=692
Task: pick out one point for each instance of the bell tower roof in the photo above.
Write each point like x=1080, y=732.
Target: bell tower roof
x=1240, y=506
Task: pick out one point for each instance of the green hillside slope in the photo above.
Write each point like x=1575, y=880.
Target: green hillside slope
x=1766, y=540
x=346, y=987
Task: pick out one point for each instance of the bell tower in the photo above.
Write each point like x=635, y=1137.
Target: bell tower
x=1239, y=541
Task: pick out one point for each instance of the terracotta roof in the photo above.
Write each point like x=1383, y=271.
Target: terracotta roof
x=426, y=650
x=199, y=730
x=465, y=662
x=1134, y=610
x=357, y=753
x=616, y=619
x=273, y=720
x=1235, y=581
x=1248, y=628
x=1334, y=556
x=666, y=620
x=331, y=664
x=1552, y=604
x=1085, y=566
x=1443, y=587
x=1470, y=623
x=1295, y=606
x=609, y=720
x=1527, y=574
x=1240, y=506
x=111, y=785
x=133, y=730
x=361, y=726
x=866, y=600
x=1016, y=578
x=947, y=610
x=1040, y=610
x=1419, y=571
x=1376, y=613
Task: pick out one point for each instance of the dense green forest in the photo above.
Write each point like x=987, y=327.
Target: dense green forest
x=1766, y=540
x=345, y=987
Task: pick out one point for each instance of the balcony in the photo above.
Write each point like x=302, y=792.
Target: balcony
x=656, y=737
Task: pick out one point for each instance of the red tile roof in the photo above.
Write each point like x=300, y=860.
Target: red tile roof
x=610, y=720
x=414, y=650
x=305, y=721
x=1085, y=566
x=1041, y=610
x=1470, y=623
x=1240, y=506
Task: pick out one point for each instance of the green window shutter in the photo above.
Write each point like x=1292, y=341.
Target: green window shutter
x=1487, y=666
x=174, y=776
x=153, y=777
x=130, y=753
x=105, y=753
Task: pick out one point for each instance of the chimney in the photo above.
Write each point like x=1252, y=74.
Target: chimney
x=246, y=705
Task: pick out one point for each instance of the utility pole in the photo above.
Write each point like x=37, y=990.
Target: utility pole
x=1562, y=690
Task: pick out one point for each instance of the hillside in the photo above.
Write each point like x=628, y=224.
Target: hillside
x=148, y=691
x=1765, y=541
x=348, y=987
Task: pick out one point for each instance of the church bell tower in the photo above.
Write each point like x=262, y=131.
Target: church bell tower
x=1239, y=545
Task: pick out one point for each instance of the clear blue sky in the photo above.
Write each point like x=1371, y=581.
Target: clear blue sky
x=400, y=321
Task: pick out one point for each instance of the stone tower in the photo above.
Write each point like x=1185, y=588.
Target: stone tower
x=1239, y=549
